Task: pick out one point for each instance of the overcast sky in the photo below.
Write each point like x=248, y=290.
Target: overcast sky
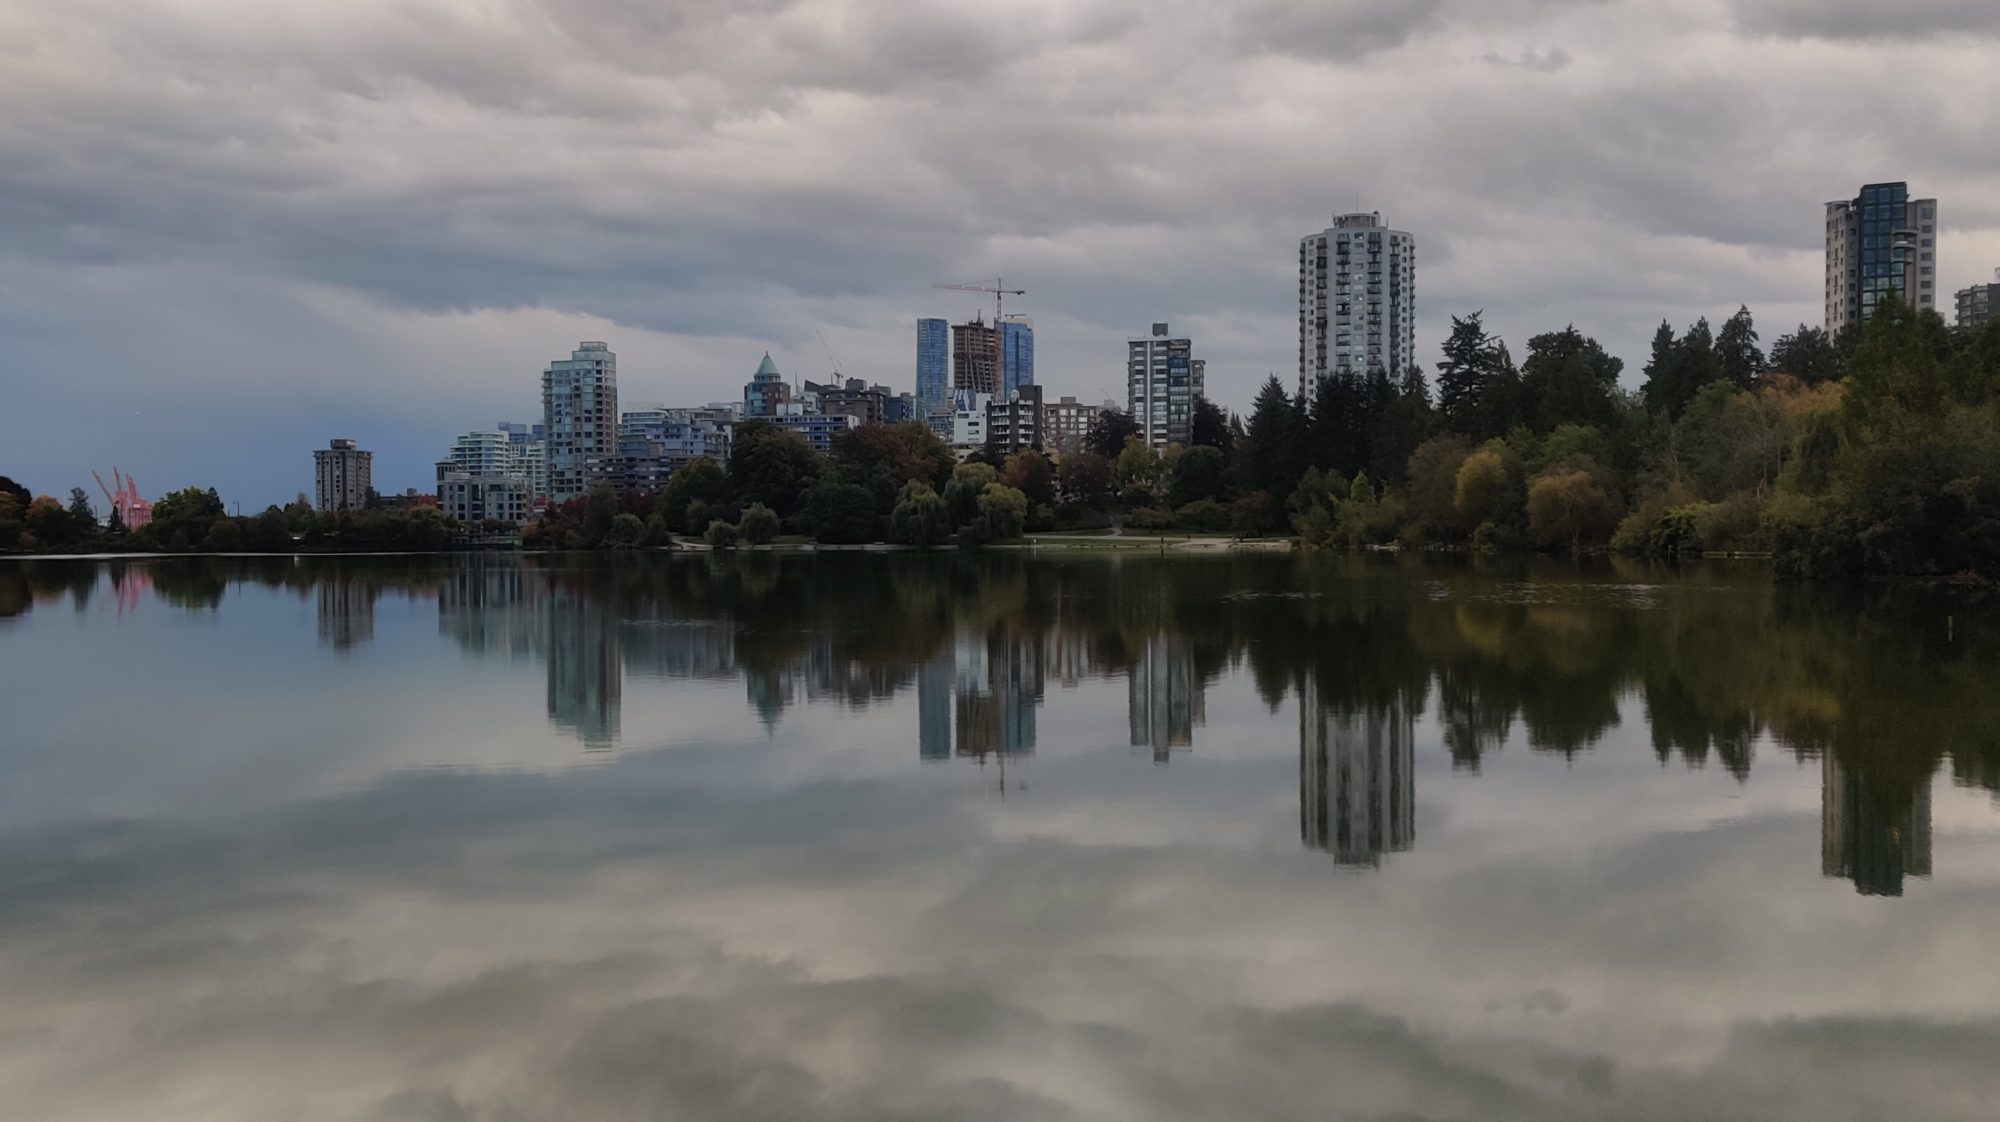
x=231, y=229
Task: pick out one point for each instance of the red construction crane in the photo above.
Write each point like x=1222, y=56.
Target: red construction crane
x=132, y=510
x=998, y=289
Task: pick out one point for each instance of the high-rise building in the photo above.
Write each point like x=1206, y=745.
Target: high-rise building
x=1877, y=243
x=487, y=475
x=1357, y=301
x=531, y=447
x=1979, y=303
x=933, y=366
x=580, y=416
x=975, y=358
x=867, y=404
x=1357, y=778
x=766, y=391
x=1017, y=355
x=1162, y=379
x=819, y=429
x=343, y=475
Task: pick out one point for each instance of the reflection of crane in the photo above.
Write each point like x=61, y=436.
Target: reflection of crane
x=1000, y=293
x=132, y=510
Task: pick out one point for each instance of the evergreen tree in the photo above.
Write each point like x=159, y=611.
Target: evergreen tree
x=1568, y=377
x=1271, y=453
x=1468, y=362
x=1659, y=391
x=1209, y=426
x=1808, y=354
x=1108, y=432
x=1737, y=356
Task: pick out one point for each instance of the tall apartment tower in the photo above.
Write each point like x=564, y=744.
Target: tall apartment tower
x=1880, y=241
x=767, y=391
x=342, y=476
x=579, y=416
x=933, y=366
x=1357, y=301
x=1357, y=779
x=1162, y=379
x=975, y=358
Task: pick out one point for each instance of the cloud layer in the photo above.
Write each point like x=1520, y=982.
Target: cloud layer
x=231, y=232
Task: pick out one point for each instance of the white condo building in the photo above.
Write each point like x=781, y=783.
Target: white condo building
x=579, y=416
x=1357, y=301
x=1879, y=243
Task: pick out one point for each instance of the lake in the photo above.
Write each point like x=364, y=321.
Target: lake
x=507, y=838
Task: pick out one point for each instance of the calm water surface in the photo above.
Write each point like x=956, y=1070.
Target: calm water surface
x=871, y=837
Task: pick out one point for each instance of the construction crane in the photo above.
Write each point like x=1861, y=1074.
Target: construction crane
x=132, y=510
x=999, y=291
x=829, y=353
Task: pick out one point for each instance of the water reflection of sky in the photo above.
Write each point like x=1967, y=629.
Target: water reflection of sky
x=276, y=855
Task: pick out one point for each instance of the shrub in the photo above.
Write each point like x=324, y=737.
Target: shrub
x=758, y=525
x=1202, y=514
x=720, y=535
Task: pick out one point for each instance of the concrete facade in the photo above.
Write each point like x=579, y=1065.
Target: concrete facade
x=1162, y=381
x=1357, y=301
x=343, y=475
x=580, y=416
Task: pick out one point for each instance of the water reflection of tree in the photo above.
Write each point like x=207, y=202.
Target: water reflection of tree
x=1874, y=677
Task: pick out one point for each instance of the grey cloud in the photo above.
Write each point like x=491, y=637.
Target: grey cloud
x=1541, y=62
x=1864, y=20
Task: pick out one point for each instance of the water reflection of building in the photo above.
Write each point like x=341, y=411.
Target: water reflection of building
x=979, y=698
x=1870, y=836
x=346, y=612
x=586, y=668
x=1357, y=779
x=1165, y=696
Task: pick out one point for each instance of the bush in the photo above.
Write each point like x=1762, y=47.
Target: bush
x=627, y=532
x=1003, y=512
x=1203, y=514
x=1077, y=516
x=1735, y=523
x=1149, y=519
x=720, y=535
x=841, y=513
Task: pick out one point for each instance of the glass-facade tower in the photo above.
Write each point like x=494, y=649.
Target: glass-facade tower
x=933, y=365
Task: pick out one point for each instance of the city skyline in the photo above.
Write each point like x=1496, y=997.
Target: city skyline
x=293, y=261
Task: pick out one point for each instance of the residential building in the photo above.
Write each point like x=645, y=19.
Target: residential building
x=1066, y=424
x=1016, y=423
x=343, y=476
x=933, y=366
x=1357, y=301
x=1979, y=303
x=902, y=407
x=531, y=447
x=968, y=421
x=1877, y=243
x=819, y=429
x=484, y=452
x=1162, y=380
x=867, y=404
x=1357, y=778
x=1017, y=355
x=767, y=391
x=479, y=498
x=579, y=416
x=975, y=358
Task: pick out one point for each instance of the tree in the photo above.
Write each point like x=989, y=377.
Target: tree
x=700, y=480
x=627, y=532
x=1272, y=451
x=600, y=508
x=720, y=535
x=1807, y=354
x=50, y=524
x=1569, y=508
x=1138, y=466
x=1484, y=491
x=1738, y=359
x=21, y=495
x=1085, y=477
x=1030, y=473
x=1568, y=377
x=1198, y=475
x=883, y=458
x=1659, y=391
x=1673, y=378
x=920, y=518
x=268, y=531
x=759, y=524
x=841, y=513
x=1003, y=512
x=1472, y=360
x=1403, y=421
x=1209, y=427
x=1109, y=431
x=1432, y=489
x=772, y=465
x=961, y=495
